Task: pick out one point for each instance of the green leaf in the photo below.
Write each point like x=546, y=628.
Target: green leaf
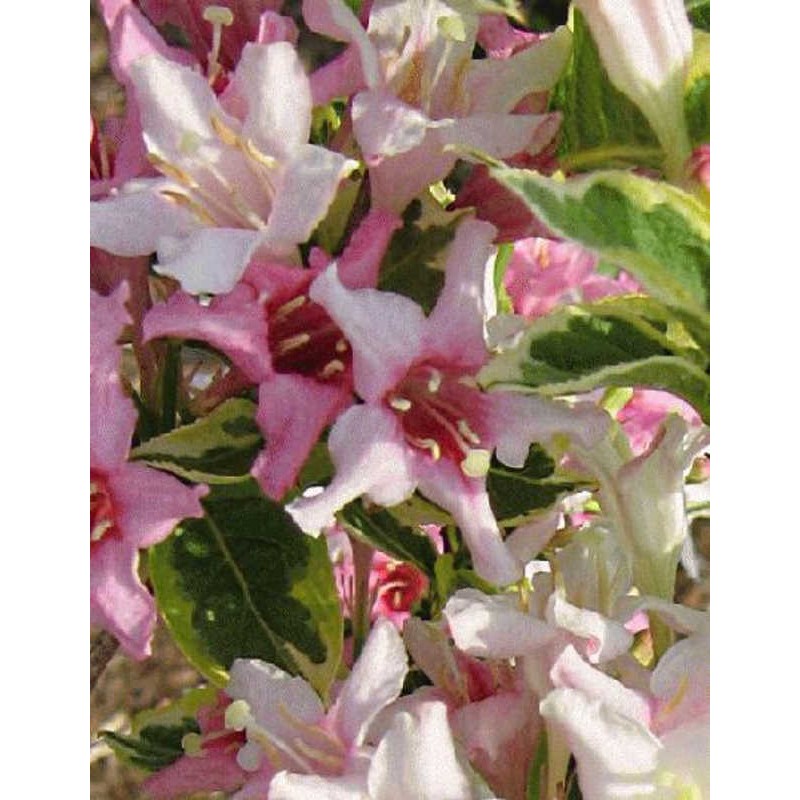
x=601, y=126
x=622, y=341
x=654, y=230
x=383, y=531
x=516, y=492
x=245, y=582
x=406, y=267
x=504, y=253
x=699, y=12
x=697, y=99
x=218, y=448
x=155, y=746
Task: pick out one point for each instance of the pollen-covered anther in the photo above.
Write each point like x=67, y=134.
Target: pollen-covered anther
x=342, y=346
x=171, y=171
x=293, y=343
x=238, y=715
x=467, y=432
x=218, y=15
x=192, y=744
x=435, y=381
x=226, y=134
x=476, y=463
x=429, y=444
x=333, y=367
x=401, y=404
x=286, y=309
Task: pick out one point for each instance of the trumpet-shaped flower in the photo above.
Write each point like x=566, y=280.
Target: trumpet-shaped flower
x=637, y=744
x=423, y=93
x=238, y=175
x=131, y=505
x=646, y=48
x=286, y=344
x=424, y=423
x=292, y=741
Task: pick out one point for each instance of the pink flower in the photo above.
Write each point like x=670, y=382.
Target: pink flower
x=641, y=417
x=423, y=93
x=131, y=506
x=424, y=422
x=239, y=177
x=285, y=343
x=699, y=165
x=545, y=273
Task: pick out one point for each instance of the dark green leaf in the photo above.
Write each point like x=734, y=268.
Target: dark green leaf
x=406, y=267
x=218, y=448
x=381, y=530
x=699, y=12
x=155, y=747
x=515, y=492
x=245, y=582
x=654, y=230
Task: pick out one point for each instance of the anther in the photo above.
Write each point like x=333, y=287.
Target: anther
x=342, y=346
x=476, y=463
x=467, y=432
x=333, y=367
x=288, y=308
x=171, y=171
x=429, y=444
x=400, y=404
x=237, y=715
x=192, y=744
x=226, y=134
x=292, y=343
x=435, y=381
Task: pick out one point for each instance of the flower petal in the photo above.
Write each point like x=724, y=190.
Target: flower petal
x=292, y=412
x=455, y=326
x=360, y=261
x=376, y=680
x=291, y=786
x=132, y=222
x=150, y=503
x=371, y=458
x=118, y=600
x=210, y=260
x=491, y=626
x=417, y=758
x=272, y=80
x=384, y=330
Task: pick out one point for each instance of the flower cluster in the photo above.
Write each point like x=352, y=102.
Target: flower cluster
x=399, y=375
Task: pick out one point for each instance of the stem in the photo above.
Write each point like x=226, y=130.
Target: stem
x=362, y=563
x=169, y=386
x=101, y=650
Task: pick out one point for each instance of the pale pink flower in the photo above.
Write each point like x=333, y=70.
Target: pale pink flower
x=642, y=416
x=699, y=165
x=422, y=92
x=424, y=423
x=131, y=505
x=239, y=179
x=285, y=343
x=651, y=742
x=545, y=273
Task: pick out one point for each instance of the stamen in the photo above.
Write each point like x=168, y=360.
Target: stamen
x=331, y=368
x=342, y=346
x=310, y=728
x=226, y=134
x=467, y=432
x=400, y=404
x=428, y=444
x=476, y=464
x=287, y=308
x=317, y=755
x=435, y=380
x=543, y=253
x=171, y=171
x=292, y=343
x=262, y=158
x=99, y=530
x=185, y=201
x=219, y=17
